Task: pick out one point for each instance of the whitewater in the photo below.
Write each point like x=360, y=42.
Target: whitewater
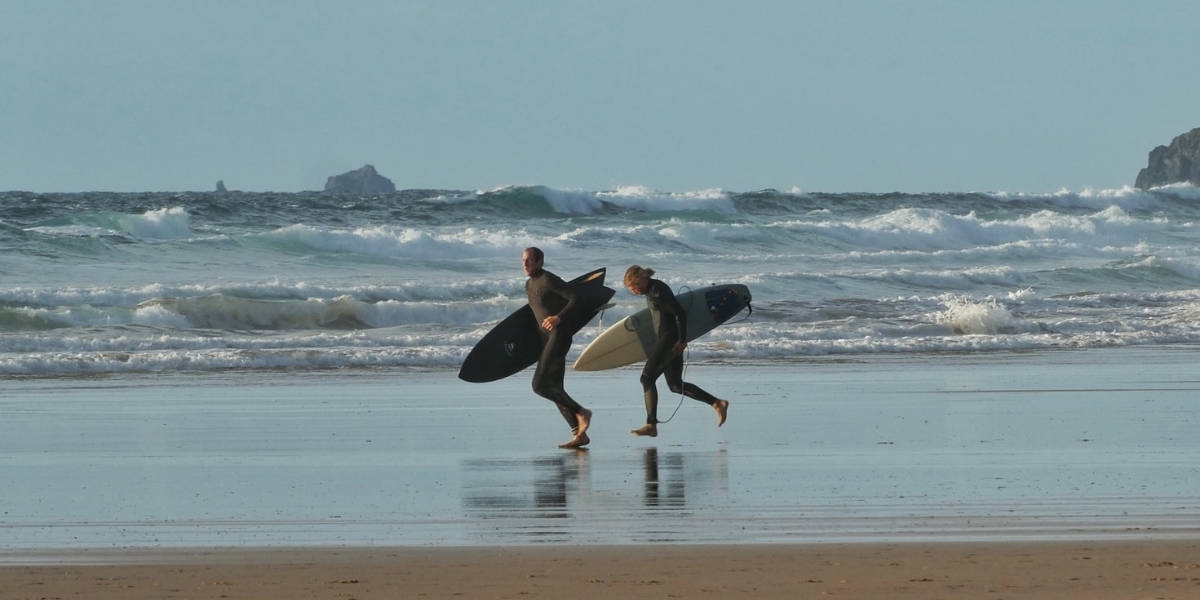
x=108, y=283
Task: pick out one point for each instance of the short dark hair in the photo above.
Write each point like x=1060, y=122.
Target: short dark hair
x=536, y=253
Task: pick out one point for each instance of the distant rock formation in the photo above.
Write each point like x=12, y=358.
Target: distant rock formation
x=1177, y=163
x=360, y=181
x=221, y=186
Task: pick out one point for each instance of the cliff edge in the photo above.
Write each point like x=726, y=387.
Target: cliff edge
x=1177, y=163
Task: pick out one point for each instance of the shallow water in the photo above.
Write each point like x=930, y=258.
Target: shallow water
x=1097, y=443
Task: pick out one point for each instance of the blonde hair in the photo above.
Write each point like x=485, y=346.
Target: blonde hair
x=637, y=274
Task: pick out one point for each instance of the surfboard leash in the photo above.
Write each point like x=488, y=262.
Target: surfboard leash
x=688, y=351
x=682, y=373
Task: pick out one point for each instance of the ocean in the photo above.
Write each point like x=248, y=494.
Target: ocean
x=112, y=283
x=278, y=369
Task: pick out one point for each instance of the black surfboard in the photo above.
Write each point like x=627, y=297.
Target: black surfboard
x=514, y=343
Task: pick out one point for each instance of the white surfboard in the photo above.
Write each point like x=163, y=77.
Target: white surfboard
x=630, y=339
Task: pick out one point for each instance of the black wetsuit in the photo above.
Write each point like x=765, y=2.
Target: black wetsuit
x=548, y=295
x=662, y=358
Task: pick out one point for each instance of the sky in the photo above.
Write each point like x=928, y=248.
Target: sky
x=1023, y=96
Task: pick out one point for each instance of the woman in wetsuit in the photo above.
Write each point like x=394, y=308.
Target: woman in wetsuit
x=666, y=357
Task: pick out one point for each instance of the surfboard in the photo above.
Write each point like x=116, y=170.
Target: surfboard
x=630, y=339
x=514, y=343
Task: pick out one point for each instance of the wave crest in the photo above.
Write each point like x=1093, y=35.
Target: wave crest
x=158, y=224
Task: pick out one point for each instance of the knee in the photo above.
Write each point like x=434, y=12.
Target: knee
x=675, y=386
x=647, y=381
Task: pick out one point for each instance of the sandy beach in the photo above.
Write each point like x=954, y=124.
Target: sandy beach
x=1062, y=571
x=1016, y=475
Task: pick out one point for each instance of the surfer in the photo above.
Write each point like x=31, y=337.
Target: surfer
x=550, y=299
x=666, y=357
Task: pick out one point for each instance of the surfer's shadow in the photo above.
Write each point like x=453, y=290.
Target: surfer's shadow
x=665, y=485
x=562, y=485
x=502, y=488
x=681, y=481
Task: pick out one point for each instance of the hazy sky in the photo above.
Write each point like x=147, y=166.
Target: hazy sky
x=676, y=95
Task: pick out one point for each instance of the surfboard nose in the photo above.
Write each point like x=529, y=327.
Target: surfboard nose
x=743, y=293
x=727, y=300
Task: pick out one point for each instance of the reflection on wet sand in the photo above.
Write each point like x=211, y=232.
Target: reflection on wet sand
x=669, y=493
x=501, y=487
x=549, y=498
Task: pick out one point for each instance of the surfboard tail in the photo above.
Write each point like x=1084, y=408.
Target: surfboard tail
x=627, y=340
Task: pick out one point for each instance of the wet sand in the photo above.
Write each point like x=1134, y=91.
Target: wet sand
x=1000, y=570
x=1017, y=475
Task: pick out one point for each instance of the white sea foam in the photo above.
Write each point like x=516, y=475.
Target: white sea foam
x=129, y=297
x=1187, y=268
x=163, y=223
x=642, y=198
x=158, y=224
x=1125, y=197
x=946, y=323
x=929, y=229
x=385, y=241
x=231, y=313
x=222, y=359
x=1183, y=191
x=968, y=316
x=632, y=197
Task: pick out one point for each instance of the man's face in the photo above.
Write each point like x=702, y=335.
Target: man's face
x=530, y=263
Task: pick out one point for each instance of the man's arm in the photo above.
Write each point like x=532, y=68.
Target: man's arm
x=567, y=294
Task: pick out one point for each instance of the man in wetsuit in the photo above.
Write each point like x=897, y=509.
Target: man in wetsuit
x=551, y=300
x=666, y=357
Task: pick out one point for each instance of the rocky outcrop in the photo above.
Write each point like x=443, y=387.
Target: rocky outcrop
x=1177, y=163
x=359, y=181
x=221, y=186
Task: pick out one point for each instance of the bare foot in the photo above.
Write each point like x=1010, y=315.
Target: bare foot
x=649, y=429
x=722, y=408
x=580, y=440
x=584, y=417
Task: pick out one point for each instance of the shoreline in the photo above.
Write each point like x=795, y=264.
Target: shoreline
x=1094, y=570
